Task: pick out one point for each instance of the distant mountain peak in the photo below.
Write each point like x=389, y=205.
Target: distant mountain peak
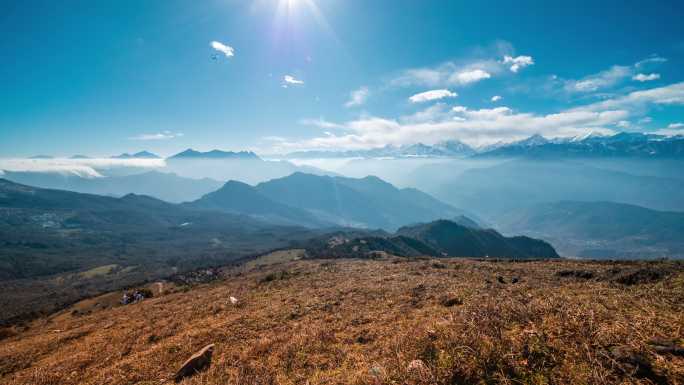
x=214, y=154
x=137, y=155
x=534, y=140
x=622, y=144
x=446, y=149
x=459, y=240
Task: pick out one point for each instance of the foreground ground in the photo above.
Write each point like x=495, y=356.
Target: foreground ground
x=390, y=321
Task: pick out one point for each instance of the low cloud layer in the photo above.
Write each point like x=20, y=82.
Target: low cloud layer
x=88, y=168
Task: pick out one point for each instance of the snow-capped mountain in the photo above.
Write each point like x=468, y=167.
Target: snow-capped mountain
x=446, y=149
x=624, y=144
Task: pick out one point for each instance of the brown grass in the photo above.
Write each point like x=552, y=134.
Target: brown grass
x=375, y=322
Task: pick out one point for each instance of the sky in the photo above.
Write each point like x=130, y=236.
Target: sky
x=274, y=76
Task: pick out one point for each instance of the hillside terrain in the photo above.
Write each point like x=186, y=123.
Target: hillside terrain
x=494, y=190
x=366, y=202
x=61, y=246
x=441, y=238
x=600, y=229
x=387, y=321
x=48, y=238
x=241, y=198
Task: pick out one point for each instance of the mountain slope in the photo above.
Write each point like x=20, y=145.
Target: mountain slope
x=456, y=240
x=437, y=239
x=366, y=202
x=601, y=229
x=362, y=322
x=44, y=231
x=495, y=190
x=58, y=242
x=241, y=198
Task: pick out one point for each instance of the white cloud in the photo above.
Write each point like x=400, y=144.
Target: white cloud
x=471, y=76
x=449, y=74
x=320, y=122
x=645, y=119
x=646, y=77
x=289, y=79
x=481, y=63
x=601, y=80
x=432, y=95
x=358, y=97
x=676, y=125
x=165, y=135
x=434, y=113
x=670, y=131
x=476, y=127
x=225, y=49
x=609, y=78
x=87, y=168
x=496, y=98
x=638, y=101
x=623, y=124
x=487, y=113
x=650, y=61
x=517, y=63
x=490, y=125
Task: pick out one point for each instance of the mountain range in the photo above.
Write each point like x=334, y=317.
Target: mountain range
x=447, y=149
x=624, y=144
x=137, y=155
x=453, y=239
x=439, y=238
x=213, y=154
x=43, y=231
x=315, y=200
x=57, y=241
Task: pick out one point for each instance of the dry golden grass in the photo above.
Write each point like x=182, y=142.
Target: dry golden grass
x=372, y=322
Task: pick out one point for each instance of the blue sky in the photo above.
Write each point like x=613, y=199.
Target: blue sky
x=100, y=78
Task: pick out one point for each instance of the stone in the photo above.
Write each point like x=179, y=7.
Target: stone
x=196, y=363
x=417, y=365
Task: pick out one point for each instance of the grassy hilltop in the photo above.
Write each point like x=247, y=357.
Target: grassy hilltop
x=388, y=321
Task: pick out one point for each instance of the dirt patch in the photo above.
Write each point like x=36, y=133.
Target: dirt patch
x=641, y=276
x=582, y=274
